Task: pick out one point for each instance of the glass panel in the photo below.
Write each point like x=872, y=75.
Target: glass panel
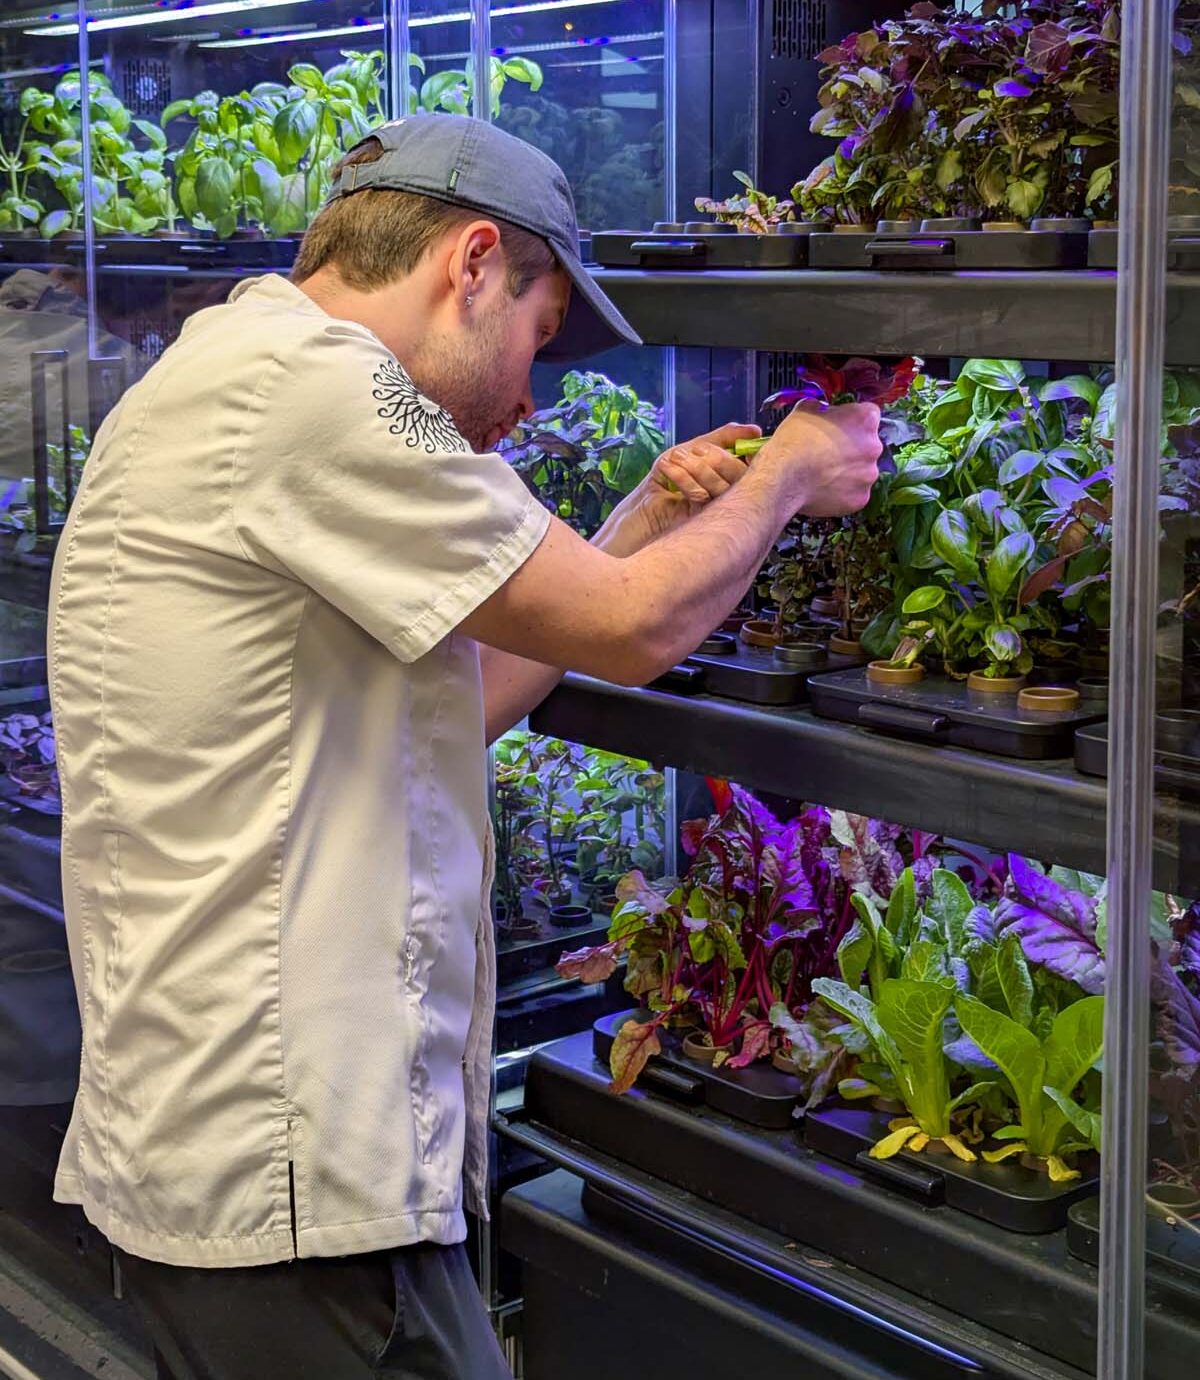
x=440, y=33
x=237, y=117
x=1173, y=1194
x=585, y=81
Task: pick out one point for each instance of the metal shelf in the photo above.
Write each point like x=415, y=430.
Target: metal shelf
x=1047, y=315
x=1046, y=810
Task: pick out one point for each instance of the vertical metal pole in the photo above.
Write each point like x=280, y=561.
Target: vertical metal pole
x=89, y=199
x=399, y=49
x=670, y=108
x=481, y=59
x=1145, y=131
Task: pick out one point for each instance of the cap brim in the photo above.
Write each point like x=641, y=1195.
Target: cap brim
x=593, y=324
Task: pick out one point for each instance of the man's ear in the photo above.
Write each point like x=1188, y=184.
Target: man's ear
x=476, y=259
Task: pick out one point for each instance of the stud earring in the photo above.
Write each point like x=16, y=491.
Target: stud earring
x=470, y=301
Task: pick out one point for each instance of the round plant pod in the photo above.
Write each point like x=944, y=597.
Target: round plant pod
x=1105, y=224
x=698, y=1045
x=898, y=227
x=853, y=230
x=570, y=917
x=757, y=632
x=1073, y=225
x=667, y=227
x=1092, y=689
x=1173, y=1200
x=708, y=227
x=811, y=632
x=995, y=685
x=804, y=656
x=801, y=227
x=1003, y=227
x=718, y=644
x=947, y=225
x=1188, y=223
x=884, y=673
x=780, y=1061
x=734, y=622
x=1048, y=699
x=846, y=646
x=824, y=607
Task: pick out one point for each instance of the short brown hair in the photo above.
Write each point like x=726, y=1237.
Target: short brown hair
x=377, y=235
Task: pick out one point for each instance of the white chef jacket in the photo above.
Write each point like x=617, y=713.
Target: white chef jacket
x=276, y=848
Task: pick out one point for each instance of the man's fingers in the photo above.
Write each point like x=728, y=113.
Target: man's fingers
x=682, y=477
x=729, y=433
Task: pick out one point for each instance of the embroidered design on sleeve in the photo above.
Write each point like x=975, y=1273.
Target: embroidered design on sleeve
x=422, y=423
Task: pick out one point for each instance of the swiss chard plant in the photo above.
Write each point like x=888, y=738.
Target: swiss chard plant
x=750, y=211
x=1042, y=1076
x=584, y=454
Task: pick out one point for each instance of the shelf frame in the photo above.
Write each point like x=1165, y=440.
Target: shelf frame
x=1044, y=810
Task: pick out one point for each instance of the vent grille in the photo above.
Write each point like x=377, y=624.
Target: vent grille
x=146, y=85
x=780, y=369
x=797, y=28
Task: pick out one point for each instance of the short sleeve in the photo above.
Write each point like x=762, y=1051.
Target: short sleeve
x=352, y=482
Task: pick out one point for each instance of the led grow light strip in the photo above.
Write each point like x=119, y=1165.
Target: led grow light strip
x=163, y=15
x=215, y=7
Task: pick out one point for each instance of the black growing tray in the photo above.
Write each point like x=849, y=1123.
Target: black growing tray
x=946, y=249
x=1022, y=1286
x=759, y=1095
x=1174, y=771
x=702, y=244
x=1183, y=249
x=1012, y=1197
x=516, y=958
x=1172, y=1252
x=940, y=710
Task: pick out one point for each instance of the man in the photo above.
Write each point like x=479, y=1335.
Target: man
x=296, y=597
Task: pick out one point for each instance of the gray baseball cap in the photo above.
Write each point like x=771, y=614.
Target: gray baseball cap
x=470, y=163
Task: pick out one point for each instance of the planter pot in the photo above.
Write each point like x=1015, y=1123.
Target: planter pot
x=852, y=230
x=1092, y=689
x=719, y=644
x=1073, y=225
x=780, y=1061
x=521, y=931
x=1048, y=699
x=897, y=227
x=948, y=225
x=884, y=673
x=1173, y=1200
x=1178, y=730
x=805, y=656
x=800, y=227
x=248, y=233
x=1094, y=664
x=734, y=622
x=1105, y=224
x=1003, y=226
x=606, y=902
x=995, y=685
x=698, y=1045
x=173, y=234
x=757, y=632
x=31, y=234
x=823, y=607
x=810, y=632
x=858, y=626
x=847, y=646
x=570, y=917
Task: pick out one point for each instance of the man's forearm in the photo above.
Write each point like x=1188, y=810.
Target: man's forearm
x=513, y=685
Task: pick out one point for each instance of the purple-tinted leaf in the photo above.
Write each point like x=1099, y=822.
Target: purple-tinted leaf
x=869, y=859
x=1048, y=48
x=1011, y=87
x=1063, y=491
x=1177, y=1016
x=1056, y=925
x=981, y=924
x=755, y=1044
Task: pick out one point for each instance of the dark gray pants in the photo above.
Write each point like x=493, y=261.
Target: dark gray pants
x=409, y=1314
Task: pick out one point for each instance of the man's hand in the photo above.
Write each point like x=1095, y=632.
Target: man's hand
x=682, y=480
x=829, y=455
